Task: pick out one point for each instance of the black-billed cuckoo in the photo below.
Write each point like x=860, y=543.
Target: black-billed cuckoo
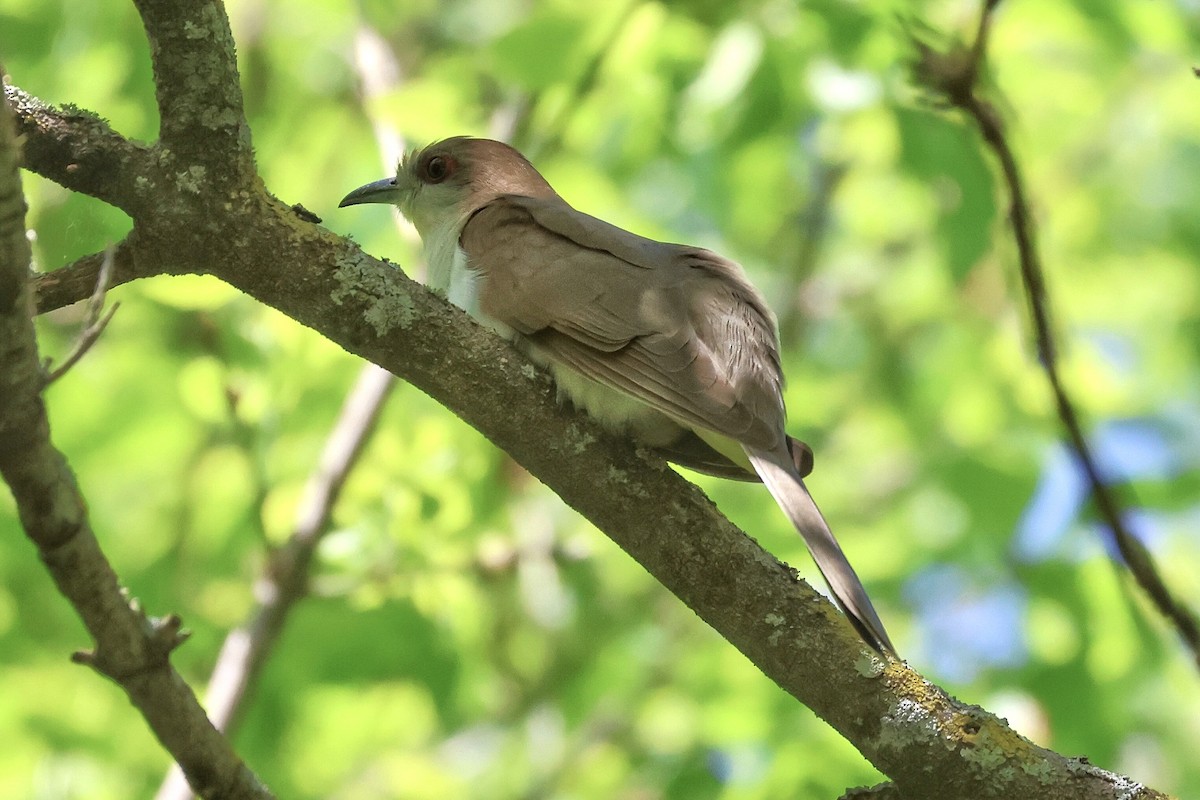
x=667, y=343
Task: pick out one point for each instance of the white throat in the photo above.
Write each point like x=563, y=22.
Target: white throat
x=448, y=270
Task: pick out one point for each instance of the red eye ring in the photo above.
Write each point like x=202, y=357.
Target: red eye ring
x=437, y=169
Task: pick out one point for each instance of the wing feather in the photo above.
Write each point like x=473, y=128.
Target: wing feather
x=677, y=327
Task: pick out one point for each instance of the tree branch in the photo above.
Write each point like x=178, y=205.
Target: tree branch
x=954, y=75
x=76, y=281
x=131, y=648
x=196, y=83
x=80, y=151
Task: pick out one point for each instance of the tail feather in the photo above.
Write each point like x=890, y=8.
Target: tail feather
x=787, y=487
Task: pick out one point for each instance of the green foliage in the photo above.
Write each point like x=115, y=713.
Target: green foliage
x=470, y=637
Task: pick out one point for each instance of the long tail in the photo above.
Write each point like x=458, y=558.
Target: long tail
x=787, y=487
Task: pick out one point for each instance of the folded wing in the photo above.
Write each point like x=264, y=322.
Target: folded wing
x=679, y=328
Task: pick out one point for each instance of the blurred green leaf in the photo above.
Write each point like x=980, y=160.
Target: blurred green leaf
x=542, y=51
x=948, y=158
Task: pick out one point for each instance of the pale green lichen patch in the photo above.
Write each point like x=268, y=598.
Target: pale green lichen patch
x=219, y=119
x=617, y=475
x=386, y=305
x=191, y=180
x=869, y=665
x=529, y=371
x=776, y=621
x=579, y=440
x=1041, y=769
x=621, y=478
x=193, y=31
x=397, y=313
x=985, y=751
x=907, y=723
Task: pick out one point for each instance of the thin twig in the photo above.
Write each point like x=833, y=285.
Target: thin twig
x=69, y=284
x=94, y=322
x=81, y=152
x=955, y=78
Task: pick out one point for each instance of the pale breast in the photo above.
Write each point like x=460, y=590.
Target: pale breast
x=615, y=410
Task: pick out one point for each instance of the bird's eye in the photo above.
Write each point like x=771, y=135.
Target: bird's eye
x=437, y=169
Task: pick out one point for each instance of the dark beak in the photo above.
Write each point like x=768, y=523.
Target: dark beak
x=382, y=191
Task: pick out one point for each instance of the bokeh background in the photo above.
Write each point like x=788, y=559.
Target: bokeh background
x=471, y=637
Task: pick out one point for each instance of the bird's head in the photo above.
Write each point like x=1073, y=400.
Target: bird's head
x=448, y=180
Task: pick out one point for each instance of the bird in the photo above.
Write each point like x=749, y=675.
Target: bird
x=668, y=344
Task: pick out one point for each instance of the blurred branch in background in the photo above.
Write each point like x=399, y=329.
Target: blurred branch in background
x=953, y=74
x=813, y=222
x=284, y=578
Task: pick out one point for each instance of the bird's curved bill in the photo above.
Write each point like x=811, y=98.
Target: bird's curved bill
x=381, y=191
